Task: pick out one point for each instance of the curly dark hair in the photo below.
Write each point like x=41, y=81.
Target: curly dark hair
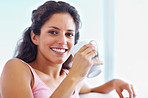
x=27, y=50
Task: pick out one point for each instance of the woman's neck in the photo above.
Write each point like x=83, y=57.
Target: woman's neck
x=46, y=67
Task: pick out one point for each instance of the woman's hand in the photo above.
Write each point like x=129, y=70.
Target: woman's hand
x=121, y=85
x=116, y=84
x=82, y=60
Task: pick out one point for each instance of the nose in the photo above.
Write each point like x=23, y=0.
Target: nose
x=62, y=39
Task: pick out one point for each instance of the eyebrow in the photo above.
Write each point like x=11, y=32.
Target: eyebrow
x=60, y=29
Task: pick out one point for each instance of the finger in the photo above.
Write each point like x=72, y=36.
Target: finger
x=119, y=93
x=128, y=88
x=97, y=62
x=84, y=47
x=91, y=54
x=134, y=94
x=89, y=49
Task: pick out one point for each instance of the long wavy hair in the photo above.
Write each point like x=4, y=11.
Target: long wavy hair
x=27, y=50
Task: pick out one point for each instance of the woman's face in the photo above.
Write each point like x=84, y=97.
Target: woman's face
x=56, y=38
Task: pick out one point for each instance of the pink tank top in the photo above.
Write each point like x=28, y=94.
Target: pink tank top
x=40, y=89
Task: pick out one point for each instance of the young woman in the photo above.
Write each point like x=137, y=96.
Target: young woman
x=38, y=69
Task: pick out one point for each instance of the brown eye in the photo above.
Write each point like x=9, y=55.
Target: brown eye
x=52, y=32
x=69, y=34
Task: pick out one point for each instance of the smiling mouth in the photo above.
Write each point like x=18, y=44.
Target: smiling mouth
x=59, y=50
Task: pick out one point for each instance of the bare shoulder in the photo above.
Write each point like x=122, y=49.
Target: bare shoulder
x=15, y=68
x=16, y=79
x=14, y=61
x=15, y=65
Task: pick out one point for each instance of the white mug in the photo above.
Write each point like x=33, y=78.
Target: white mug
x=95, y=69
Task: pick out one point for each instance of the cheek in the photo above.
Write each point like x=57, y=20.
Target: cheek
x=71, y=44
x=44, y=41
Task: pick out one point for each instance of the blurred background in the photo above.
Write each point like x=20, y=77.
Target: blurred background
x=119, y=27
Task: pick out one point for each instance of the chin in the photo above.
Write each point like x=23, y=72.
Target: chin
x=60, y=62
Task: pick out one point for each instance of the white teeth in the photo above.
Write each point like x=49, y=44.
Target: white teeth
x=58, y=50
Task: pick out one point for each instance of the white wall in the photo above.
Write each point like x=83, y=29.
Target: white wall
x=131, y=43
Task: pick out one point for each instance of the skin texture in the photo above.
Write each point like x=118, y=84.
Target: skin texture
x=53, y=48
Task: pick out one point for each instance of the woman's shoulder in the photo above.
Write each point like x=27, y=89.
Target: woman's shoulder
x=14, y=60
x=15, y=63
x=15, y=66
x=15, y=78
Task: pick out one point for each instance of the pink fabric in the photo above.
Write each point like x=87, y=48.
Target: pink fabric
x=41, y=90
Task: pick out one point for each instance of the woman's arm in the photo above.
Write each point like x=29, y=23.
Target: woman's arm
x=105, y=88
x=16, y=80
x=67, y=87
x=116, y=84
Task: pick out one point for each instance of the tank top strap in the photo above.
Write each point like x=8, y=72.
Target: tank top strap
x=66, y=71
x=32, y=70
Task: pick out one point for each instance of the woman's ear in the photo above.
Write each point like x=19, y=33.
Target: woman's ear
x=34, y=38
